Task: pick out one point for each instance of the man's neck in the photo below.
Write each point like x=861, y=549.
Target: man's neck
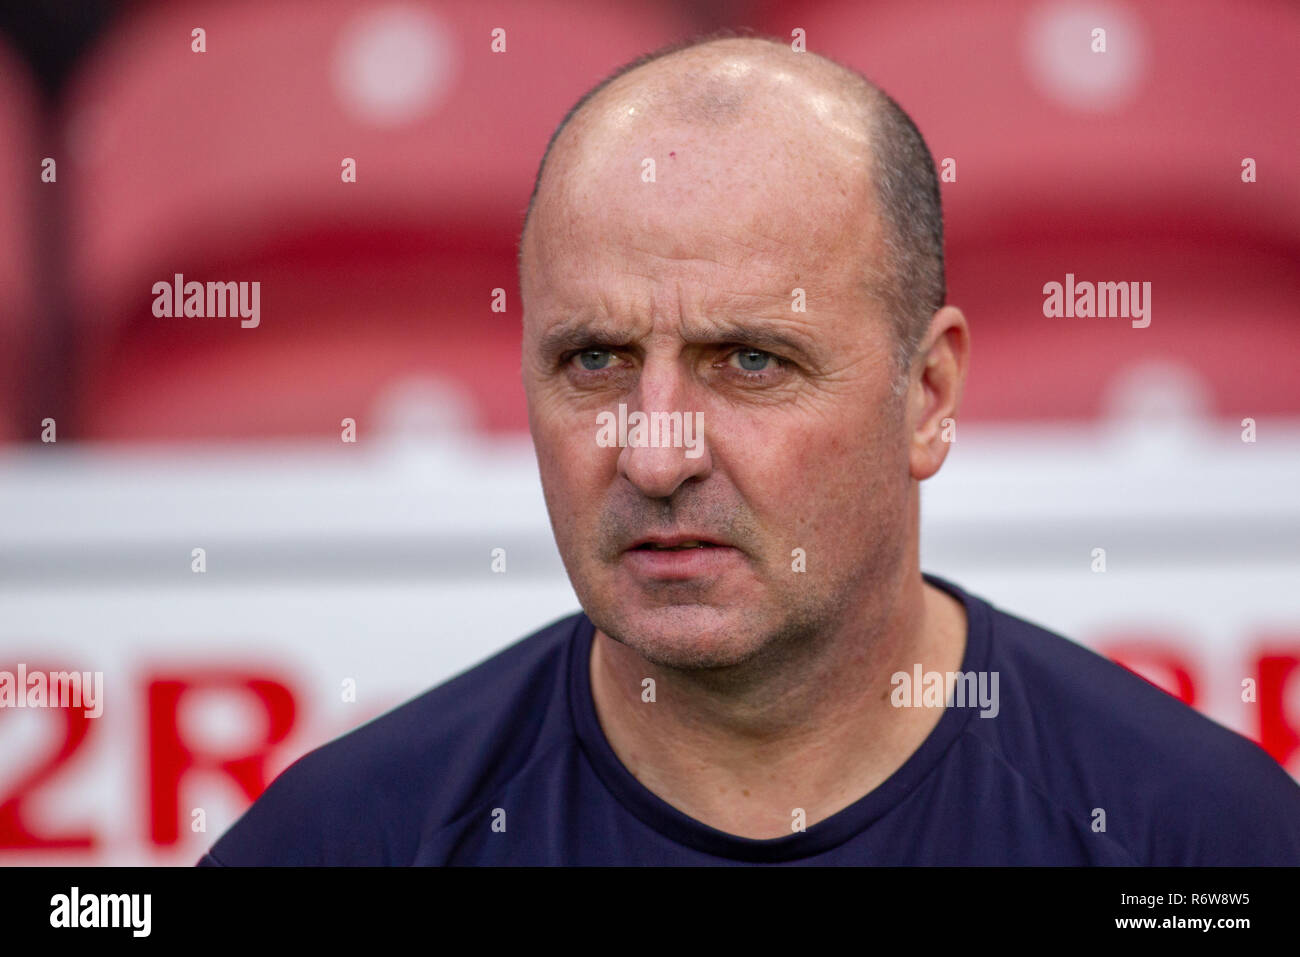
x=817, y=737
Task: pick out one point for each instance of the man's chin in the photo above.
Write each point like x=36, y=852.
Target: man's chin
x=684, y=637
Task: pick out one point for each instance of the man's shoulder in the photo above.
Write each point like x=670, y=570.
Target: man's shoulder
x=377, y=789
x=1100, y=705
x=1167, y=782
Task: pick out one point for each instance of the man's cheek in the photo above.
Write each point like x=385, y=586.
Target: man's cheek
x=566, y=439
x=575, y=473
x=783, y=467
x=579, y=451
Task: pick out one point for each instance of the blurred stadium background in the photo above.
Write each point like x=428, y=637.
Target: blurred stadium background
x=342, y=578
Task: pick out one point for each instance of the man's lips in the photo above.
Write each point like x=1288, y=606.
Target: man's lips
x=676, y=542
x=681, y=557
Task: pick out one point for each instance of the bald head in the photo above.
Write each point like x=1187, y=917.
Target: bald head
x=792, y=126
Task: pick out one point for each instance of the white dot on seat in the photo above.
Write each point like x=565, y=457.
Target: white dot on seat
x=393, y=65
x=1056, y=45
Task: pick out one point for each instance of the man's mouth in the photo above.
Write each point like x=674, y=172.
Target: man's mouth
x=681, y=542
x=657, y=547
x=684, y=557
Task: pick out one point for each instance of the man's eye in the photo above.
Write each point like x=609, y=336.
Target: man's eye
x=753, y=360
x=595, y=360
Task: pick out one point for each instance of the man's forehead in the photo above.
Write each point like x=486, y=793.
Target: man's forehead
x=736, y=196
x=752, y=127
x=765, y=162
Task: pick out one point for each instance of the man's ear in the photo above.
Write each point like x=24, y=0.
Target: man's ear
x=935, y=385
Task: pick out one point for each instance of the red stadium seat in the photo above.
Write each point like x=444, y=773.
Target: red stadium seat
x=1117, y=166
x=20, y=171
x=225, y=166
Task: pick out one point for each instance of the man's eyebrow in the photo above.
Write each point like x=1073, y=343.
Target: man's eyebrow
x=576, y=334
x=767, y=336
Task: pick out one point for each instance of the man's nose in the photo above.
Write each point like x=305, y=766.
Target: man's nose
x=671, y=447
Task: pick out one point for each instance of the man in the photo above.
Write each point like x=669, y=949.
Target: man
x=748, y=240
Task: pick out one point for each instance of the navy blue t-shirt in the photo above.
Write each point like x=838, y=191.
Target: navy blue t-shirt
x=1077, y=743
